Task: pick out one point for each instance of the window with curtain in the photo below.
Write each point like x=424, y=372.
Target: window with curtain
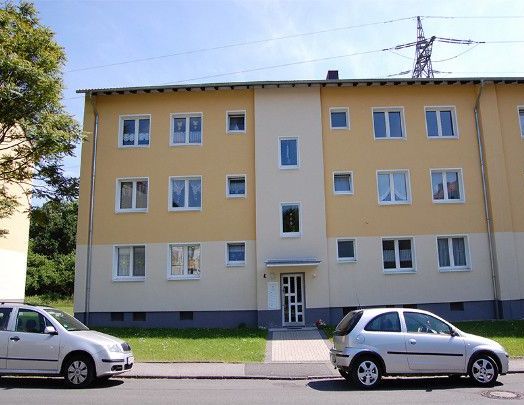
x=132, y=195
x=290, y=217
x=134, y=131
x=186, y=193
x=236, y=121
x=397, y=255
x=184, y=261
x=342, y=183
x=186, y=129
x=236, y=186
x=452, y=252
x=447, y=185
x=130, y=262
x=393, y=187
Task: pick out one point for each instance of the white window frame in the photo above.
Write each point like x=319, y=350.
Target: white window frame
x=232, y=263
x=398, y=269
x=187, y=116
x=346, y=259
x=186, y=193
x=520, y=109
x=392, y=188
x=236, y=112
x=134, y=180
x=116, y=277
x=387, y=110
x=233, y=176
x=185, y=276
x=337, y=110
x=280, y=218
x=136, y=118
x=446, y=200
x=452, y=267
x=351, y=183
x=288, y=167
x=438, y=109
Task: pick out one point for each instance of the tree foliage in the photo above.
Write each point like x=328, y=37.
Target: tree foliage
x=35, y=131
x=51, y=257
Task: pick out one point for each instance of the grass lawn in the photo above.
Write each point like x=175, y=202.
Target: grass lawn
x=509, y=334
x=63, y=304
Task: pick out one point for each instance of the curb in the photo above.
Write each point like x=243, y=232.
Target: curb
x=225, y=377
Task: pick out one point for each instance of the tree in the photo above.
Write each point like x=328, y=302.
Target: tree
x=35, y=131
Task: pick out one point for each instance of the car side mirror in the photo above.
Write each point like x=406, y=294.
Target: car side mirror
x=453, y=333
x=50, y=330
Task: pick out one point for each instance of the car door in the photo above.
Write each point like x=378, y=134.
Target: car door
x=4, y=335
x=29, y=348
x=430, y=346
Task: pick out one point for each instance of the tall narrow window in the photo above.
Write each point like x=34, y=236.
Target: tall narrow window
x=388, y=123
x=130, y=262
x=132, y=195
x=134, y=131
x=447, y=185
x=288, y=151
x=441, y=122
x=521, y=121
x=185, y=193
x=397, y=255
x=452, y=253
x=393, y=187
x=186, y=129
x=290, y=219
x=184, y=261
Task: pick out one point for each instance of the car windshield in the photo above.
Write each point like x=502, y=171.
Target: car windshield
x=67, y=321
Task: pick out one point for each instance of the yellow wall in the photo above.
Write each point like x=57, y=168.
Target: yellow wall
x=220, y=154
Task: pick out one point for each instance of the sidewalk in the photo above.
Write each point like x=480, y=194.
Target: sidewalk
x=275, y=371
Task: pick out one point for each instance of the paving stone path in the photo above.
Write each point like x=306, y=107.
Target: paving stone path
x=306, y=345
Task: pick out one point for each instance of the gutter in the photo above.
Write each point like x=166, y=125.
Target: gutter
x=89, y=260
x=489, y=225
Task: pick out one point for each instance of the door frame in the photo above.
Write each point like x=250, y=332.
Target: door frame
x=303, y=302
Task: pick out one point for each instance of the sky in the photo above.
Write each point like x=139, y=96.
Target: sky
x=215, y=41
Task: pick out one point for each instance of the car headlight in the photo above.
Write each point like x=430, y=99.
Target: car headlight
x=115, y=348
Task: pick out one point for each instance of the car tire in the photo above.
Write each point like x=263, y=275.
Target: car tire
x=79, y=371
x=366, y=372
x=345, y=374
x=483, y=371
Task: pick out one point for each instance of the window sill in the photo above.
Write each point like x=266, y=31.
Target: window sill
x=291, y=235
x=400, y=271
x=133, y=146
x=232, y=132
x=442, y=137
x=185, y=209
x=236, y=264
x=185, y=144
x=182, y=278
x=448, y=201
x=389, y=138
x=129, y=279
x=346, y=261
x=454, y=269
x=343, y=192
x=394, y=203
x=235, y=196
x=143, y=211
x=339, y=128
x=288, y=167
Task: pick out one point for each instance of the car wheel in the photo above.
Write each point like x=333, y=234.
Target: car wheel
x=483, y=371
x=345, y=374
x=366, y=373
x=79, y=371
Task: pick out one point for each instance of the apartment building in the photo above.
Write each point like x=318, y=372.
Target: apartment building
x=282, y=203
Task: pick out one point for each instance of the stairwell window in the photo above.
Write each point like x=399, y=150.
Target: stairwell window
x=441, y=122
x=288, y=153
x=132, y=194
x=397, y=255
x=184, y=261
x=185, y=193
x=453, y=253
x=290, y=220
x=447, y=186
x=130, y=263
x=393, y=187
x=134, y=131
x=521, y=121
x=388, y=123
x=186, y=129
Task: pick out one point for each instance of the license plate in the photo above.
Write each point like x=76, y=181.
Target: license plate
x=130, y=360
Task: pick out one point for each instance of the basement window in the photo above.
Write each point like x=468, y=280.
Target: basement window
x=117, y=316
x=186, y=315
x=456, y=306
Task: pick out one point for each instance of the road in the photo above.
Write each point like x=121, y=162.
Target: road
x=333, y=391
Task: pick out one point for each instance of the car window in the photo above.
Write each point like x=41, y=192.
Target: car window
x=422, y=323
x=30, y=321
x=347, y=323
x=67, y=321
x=388, y=322
x=4, y=317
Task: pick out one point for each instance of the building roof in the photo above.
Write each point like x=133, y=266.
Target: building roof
x=300, y=83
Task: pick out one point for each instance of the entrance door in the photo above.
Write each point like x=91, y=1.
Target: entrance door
x=292, y=299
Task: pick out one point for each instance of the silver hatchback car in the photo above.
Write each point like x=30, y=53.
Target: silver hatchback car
x=371, y=343
x=46, y=341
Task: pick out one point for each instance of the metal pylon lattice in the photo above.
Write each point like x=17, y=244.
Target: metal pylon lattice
x=422, y=66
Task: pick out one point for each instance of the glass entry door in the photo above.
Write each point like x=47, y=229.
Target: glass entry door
x=292, y=299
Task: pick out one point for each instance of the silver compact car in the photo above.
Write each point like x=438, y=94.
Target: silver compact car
x=371, y=343
x=46, y=341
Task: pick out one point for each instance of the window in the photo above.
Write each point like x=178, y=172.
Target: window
x=185, y=193
x=422, y=323
x=184, y=261
x=343, y=183
x=388, y=322
x=339, y=118
x=132, y=195
x=139, y=316
x=290, y=219
x=130, y=263
x=236, y=121
x=186, y=129
x=186, y=315
x=388, y=123
x=393, y=187
x=346, y=250
x=288, y=151
x=236, y=186
x=117, y=316
x=235, y=253
x=521, y=121
x=397, y=255
x=452, y=252
x=456, y=306
x=447, y=186
x=134, y=131
x=4, y=317
x=441, y=122
x=29, y=321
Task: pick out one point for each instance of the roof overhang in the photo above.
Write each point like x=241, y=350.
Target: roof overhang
x=294, y=262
